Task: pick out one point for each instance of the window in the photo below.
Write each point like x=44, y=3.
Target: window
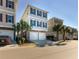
x=39, y=24
x=0, y=17
x=32, y=11
x=45, y=25
x=1, y=2
x=10, y=4
x=39, y=13
x=9, y=19
x=33, y=23
x=45, y=15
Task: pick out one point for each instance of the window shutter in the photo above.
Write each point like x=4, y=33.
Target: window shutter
x=12, y=19
x=31, y=22
x=1, y=17
x=12, y=5
x=6, y=18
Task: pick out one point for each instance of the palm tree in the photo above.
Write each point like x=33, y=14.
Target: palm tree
x=65, y=30
x=56, y=29
x=19, y=28
x=24, y=27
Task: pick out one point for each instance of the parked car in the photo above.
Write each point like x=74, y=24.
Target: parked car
x=2, y=42
x=5, y=41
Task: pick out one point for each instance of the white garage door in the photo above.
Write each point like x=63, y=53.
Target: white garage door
x=37, y=36
x=7, y=33
x=33, y=35
x=42, y=36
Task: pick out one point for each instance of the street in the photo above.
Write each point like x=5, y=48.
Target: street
x=68, y=51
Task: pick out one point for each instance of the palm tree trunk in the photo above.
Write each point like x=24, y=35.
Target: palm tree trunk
x=17, y=40
x=21, y=36
x=26, y=35
x=57, y=35
x=14, y=36
x=72, y=35
x=21, y=33
x=64, y=36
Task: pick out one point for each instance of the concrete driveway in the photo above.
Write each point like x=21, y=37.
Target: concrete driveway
x=68, y=51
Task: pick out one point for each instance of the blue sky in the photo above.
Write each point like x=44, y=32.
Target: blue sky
x=63, y=9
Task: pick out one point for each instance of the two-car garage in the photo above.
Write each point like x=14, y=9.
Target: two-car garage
x=37, y=36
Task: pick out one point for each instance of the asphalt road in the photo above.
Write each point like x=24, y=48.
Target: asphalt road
x=68, y=51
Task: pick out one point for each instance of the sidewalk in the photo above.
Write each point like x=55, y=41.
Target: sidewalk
x=9, y=47
x=14, y=46
x=28, y=45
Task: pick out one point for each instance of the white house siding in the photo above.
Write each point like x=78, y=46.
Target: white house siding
x=40, y=19
x=9, y=33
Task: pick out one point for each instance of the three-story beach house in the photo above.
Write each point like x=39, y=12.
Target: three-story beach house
x=7, y=18
x=37, y=19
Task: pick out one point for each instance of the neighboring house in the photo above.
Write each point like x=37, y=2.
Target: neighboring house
x=72, y=36
x=7, y=18
x=37, y=19
x=51, y=23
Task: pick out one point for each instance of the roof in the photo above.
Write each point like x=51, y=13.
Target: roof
x=37, y=8
x=55, y=18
